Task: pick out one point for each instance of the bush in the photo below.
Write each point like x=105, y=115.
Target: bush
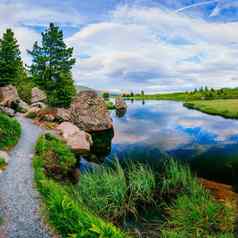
x=193, y=212
x=10, y=132
x=110, y=105
x=31, y=115
x=112, y=194
x=2, y=163
x=59, y=161
x=104, y=191
x=24, y=88
x=70, y=218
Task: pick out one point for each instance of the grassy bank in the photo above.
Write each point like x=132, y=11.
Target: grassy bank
x=197, y=94
x=131, y=202
x=10, y=132
x=227, y=108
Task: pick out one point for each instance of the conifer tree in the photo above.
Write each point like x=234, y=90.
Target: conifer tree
x=11, y=66
x=51, y=67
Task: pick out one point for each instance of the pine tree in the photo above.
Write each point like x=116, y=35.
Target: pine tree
x=51, y=67
x=11, y=66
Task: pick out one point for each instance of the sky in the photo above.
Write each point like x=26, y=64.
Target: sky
x=134, y=45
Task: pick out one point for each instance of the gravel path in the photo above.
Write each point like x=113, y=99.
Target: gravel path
x=19, y=200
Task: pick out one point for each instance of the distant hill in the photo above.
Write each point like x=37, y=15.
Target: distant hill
x=83, y=88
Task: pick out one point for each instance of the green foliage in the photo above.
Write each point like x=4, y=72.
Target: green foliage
x=103, y=191
x=10, y=132
x=106, y=95
x=59, y=161
x=193, y=212
x=141, y=183
x=31, y=115
x=227, y=108
x=24, y=88
x=110, y=105
x=70, y=218
x=11, y=66
x=51, y=67
x=2, y=165
x=113, y=194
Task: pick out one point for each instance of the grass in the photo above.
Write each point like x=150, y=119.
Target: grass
x=10, y=132
x=2, y=163
x=193, y=212
x=110, y=105
x=227, y=108
x=70, y=217
x=172, y=203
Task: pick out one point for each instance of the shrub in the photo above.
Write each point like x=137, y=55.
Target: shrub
x=70, y=218
x=31, y=115
x=10, y=131
x=104, y=191
x=141, y=183
x=2, y=163
x=193, y=212
x=110, y=105
x=59, y=161
x=24, y=88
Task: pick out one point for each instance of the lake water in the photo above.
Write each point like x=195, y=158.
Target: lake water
x=151, y=130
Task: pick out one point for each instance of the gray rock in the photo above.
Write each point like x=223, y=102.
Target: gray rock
x=37, y=95
x=120, y=104
x=40, y=105
x=23, y=106
x=89, y=112
x=8, y=94
x=10, y=112
x=79, y=141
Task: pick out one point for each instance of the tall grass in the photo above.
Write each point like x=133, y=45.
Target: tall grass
x=10, y=132
x=114, y=194
x=68, y=216
x=193, y=212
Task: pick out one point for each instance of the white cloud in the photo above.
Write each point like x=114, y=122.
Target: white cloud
x=156, y=49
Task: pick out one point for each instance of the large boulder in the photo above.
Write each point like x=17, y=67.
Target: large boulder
x=10, y=112
x=79, y=141
x=8, y=94
x=89, y=112
x=120, y=104
x=62, y=114
x=37, y=95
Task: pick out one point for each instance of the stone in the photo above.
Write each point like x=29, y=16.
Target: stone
x=22, y=106
x=40, y=105
x=62, y=114
x=37, y=95
x=120, y=104
x=8, y=94
x=79, y=141
x=4, y=155
x=49, y=118
x=10, y=112
x=89, y=112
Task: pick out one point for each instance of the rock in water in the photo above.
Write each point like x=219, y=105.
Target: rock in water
x=89, y=112
x=8, y=94
x=79, y=141
x=120, y=104
x=37, y=95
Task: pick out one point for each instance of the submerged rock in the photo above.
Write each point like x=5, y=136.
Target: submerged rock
x=120, y=104
x=79, y=141
x=37, y=95
x=89, y=112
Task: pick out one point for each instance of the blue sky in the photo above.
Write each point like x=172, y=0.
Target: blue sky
x=123, y=45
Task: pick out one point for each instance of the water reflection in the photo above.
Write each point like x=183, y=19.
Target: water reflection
x=121, y=112
x=158, y=128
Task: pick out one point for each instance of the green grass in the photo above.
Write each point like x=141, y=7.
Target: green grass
x=193, y=212
x=110, y=105
x=2, y=163
x=227, y=108
x=10, y=132
x=70, y=217
x=183, y=207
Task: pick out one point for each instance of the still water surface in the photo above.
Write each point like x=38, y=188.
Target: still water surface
x=151, y=130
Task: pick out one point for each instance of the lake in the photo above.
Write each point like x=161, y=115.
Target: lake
x=152, y=130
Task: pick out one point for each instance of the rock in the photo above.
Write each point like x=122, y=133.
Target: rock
x=40, y=105
x=22, y=106
x=10, y=112
x=8, y=94
x=62, y=114
x=49, y=118
x=4, y=155
x=79, y=141
x=89, y=112
x=37, y=95
x=120, y=104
